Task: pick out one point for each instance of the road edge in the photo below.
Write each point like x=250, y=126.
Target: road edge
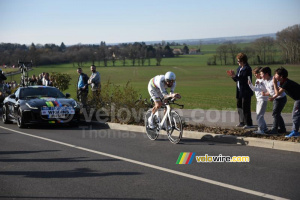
x=247, y=141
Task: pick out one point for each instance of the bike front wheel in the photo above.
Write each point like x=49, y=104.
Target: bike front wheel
x=154, y=132
x=176, y=130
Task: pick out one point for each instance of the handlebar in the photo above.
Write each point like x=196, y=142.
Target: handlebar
x=171, y=100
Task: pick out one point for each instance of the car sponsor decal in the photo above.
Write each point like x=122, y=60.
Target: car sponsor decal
x=56, y=110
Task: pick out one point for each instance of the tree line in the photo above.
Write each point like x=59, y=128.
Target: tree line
x=128, y=54
x=285, y=49
x=266, y=50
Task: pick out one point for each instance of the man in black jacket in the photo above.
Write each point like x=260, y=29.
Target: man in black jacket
x=82, y=87
x=243, y=91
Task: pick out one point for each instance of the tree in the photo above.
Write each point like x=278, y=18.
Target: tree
x=212, y=60
x=264, y=49
x=150, y=53
x=103, y=53
x=233, y=50
x=186, y=49
x=62, y=47
x=250, y=52
x=158, y=56
x=222, y=53
x=34, y=54
x=289, y=41
x=168, y=52
x=61, y=80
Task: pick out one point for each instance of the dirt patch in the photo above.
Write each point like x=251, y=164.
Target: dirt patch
x=238, y=132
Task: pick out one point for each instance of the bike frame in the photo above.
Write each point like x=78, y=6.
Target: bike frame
x=167, y=114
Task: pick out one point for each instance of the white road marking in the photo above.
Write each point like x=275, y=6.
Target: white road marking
x=232, y=187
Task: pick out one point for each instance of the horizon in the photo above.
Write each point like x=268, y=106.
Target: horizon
x=115, y=22
x=192, y=39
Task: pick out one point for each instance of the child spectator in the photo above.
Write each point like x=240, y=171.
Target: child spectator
x=261, y=104
x=279, y=101
x=292, y=89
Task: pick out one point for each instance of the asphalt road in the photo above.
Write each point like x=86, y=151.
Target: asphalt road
x=93, y=162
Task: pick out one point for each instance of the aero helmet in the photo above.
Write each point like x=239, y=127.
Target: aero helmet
x=170, y=76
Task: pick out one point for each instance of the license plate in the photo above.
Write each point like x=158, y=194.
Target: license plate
x=54, y=112
x=57, y=116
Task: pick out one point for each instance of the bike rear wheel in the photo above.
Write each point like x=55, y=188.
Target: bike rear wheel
x=151, y=133
x=175, y=133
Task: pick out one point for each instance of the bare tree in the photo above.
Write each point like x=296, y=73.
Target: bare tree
x=264, y=49
x=250, y=52
x=222, y=53
x=289, y=41
x=233, y=50
x=158, y=55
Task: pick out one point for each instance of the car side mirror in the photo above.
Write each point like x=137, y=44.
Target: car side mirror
x=12, y=96
x=68, y=95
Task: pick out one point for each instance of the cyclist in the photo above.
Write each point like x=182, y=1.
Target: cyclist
x=157, y=89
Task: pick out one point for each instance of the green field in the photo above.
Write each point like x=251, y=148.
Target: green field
x=201, y=86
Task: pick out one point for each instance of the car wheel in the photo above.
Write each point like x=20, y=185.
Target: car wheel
x=5, y=115
x=20, y=119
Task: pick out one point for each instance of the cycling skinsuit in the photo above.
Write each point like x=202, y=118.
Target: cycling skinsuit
x=157, y=88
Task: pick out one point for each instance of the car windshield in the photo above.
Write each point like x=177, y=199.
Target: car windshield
x=38, y=92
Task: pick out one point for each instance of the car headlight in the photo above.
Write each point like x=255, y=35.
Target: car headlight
x=31, y=107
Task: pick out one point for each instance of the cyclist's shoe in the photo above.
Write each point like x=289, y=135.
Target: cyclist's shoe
x=151, y=124
x=293, y=134
x=168, y=128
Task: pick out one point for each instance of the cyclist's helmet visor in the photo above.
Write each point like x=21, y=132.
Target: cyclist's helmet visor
x=170, y=81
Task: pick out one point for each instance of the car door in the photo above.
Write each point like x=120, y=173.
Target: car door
x=12, y=101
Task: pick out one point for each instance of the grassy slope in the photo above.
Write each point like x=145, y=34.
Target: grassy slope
x=201, y=86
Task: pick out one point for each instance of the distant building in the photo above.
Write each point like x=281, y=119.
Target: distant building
x=177, y=52
x=194, y=51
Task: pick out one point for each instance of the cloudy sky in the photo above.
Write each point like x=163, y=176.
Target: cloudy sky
x=117, y=21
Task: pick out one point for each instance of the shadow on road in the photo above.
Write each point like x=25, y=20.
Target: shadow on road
x=76, y=173
x=64, y=198
x=60, y=160
x=26, y=152
x=213, y=140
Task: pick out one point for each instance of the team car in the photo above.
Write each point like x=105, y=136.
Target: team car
x=39, y=105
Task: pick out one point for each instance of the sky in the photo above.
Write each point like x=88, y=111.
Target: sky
x=120, y=21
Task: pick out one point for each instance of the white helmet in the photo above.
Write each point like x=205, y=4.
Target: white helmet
x=170, y=76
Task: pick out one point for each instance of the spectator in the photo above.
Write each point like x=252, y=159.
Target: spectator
x=46, y=80
x=33, y=80
x=40, y=79
x=82, y=87
x=2, y=76
x=243, y=91
x=95, y=81
x=261, y=104
x=279, y=101
x=292, y=89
